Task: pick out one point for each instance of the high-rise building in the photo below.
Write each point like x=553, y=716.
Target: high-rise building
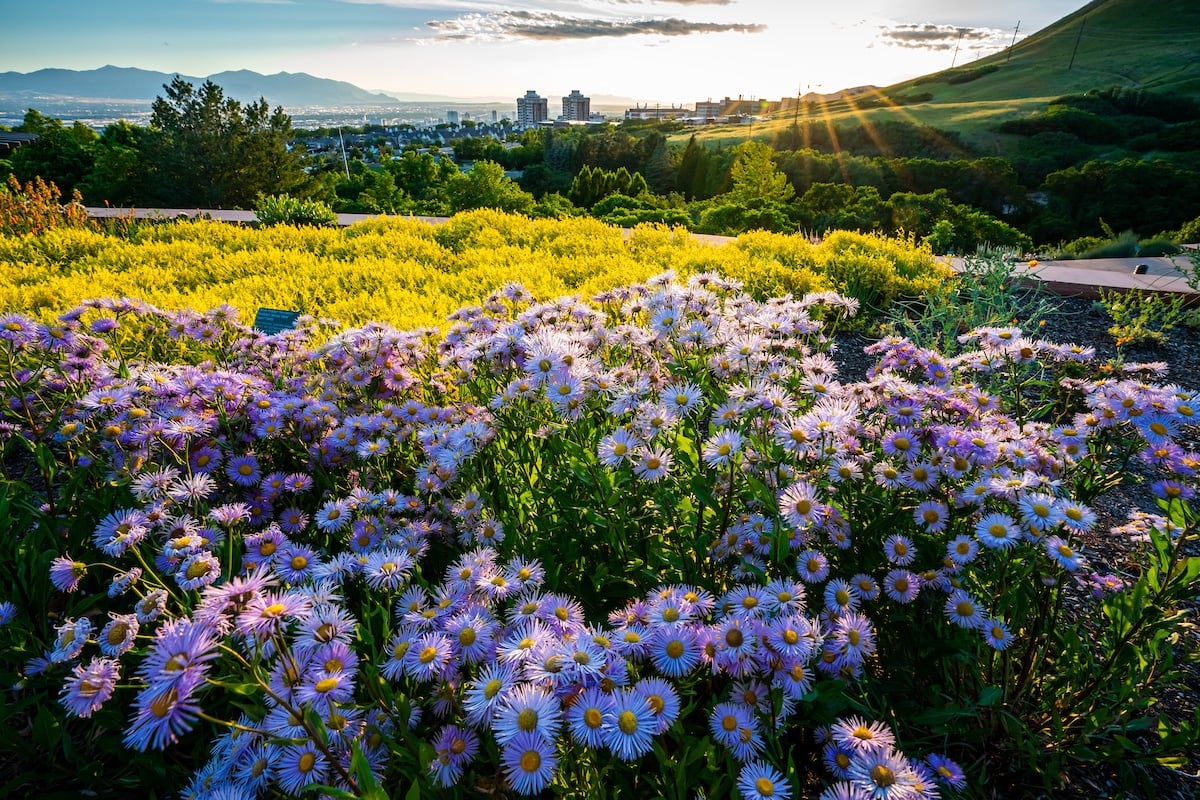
x=532, y=109
x=452, y=117
x=576, y=107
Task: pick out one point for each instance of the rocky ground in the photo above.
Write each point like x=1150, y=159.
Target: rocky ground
x=1084, y=321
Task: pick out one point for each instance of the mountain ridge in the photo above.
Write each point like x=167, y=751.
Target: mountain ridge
x=132, y=84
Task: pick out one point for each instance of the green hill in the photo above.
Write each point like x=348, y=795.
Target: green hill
x=1138, y=44
x=1128, y=43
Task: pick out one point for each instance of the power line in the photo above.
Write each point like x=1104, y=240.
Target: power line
x=1082, y=22
x=1014, y=41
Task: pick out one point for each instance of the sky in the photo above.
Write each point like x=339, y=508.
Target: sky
x=653, y=51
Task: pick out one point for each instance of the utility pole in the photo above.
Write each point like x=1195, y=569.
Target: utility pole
x=954, y=60
x=345, y=162
x=1014, y=41
x=1077, y=38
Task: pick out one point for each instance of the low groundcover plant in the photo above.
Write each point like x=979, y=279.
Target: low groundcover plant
x=649, y=543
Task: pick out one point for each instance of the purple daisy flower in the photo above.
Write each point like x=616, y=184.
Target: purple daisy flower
x=883, y=774
x=527, y=709
x=588, y=715
x=996, y=633
x=1062, y=553
x=163, y=713
x=454, y=748
x=858, y=735
x=812, y=566
x=119, y=531
x=299, y=766
x=758, y=780
x=198, y=570
x=66, y=573
x=89, y=687
x=630, y=732
x=180, y=653
x=485, y=695
x=72, y=636
x=675, y=650
x=323, y=690
x=117, y=636
x=267, y=614
x=946, y=771
x=662, y=699
x=727, y=720
x=244, y=470
x=961, y=609
x=428, y=657
x=294, y=563
x=529, y=763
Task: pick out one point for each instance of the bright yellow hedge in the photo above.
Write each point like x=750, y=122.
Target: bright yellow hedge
x=412, y=274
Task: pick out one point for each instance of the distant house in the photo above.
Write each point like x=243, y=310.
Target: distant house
x=10, y=141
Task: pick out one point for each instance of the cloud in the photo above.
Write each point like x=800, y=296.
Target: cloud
x=545, y=26
x=678, y=2
x=927, y=36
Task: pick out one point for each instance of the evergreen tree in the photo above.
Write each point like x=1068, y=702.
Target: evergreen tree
x=754, y=176
x=660, y=167
x=206, y=150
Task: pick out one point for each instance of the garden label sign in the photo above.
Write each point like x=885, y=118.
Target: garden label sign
x=274, y=320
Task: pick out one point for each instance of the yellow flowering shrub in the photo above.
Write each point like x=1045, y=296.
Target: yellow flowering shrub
x=412, y=274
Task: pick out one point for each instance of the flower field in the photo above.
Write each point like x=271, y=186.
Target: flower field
x=409, y=274
x=640, y=541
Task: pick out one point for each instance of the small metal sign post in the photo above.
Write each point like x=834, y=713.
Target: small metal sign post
x=274, y=320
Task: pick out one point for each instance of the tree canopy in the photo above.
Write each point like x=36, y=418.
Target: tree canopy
x=207, y=150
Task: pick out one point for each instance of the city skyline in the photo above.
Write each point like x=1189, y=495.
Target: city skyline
x=644, y=50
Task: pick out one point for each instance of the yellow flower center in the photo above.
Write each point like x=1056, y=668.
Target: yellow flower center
x=161, y=705
x=527, y=719
x=882, y=776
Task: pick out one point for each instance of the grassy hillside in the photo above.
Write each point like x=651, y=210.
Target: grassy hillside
x=1128, y=43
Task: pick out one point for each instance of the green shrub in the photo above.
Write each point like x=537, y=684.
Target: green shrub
x=283, y=209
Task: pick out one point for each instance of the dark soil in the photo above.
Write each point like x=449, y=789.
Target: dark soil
x=1083, y=321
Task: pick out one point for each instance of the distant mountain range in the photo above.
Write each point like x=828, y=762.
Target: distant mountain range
x=129, y=84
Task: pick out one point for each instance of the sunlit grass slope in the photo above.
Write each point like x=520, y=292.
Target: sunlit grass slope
x=412, y=275
x=1126, y=43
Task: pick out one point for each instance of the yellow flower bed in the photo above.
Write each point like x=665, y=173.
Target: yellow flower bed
x=412, y=274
